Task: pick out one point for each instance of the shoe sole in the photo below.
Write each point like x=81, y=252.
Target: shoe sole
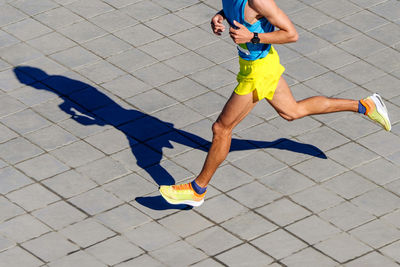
x=180, y=202
x=381, y=108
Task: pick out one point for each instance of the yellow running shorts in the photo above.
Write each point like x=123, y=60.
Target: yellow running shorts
x=261, y=75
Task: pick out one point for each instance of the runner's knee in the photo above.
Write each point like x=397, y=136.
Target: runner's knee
x=219, y=129
x=292, y=114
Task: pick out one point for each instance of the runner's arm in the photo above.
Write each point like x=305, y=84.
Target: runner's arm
x=216, y=23
x=267, y=8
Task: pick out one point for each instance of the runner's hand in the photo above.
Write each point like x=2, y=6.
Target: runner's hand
x=216, y=24
x=241, y=34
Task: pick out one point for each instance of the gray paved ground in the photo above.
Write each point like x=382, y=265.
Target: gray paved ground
x=101, y=101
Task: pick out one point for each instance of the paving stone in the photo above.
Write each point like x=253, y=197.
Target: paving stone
x=157, y=74
x=34, y=94
x=5, y=244
x=364, y=20
x=361, y=46
x=286, y=181
x=189, y=63
x=151, y=101
x=8, y=210
x=213, y=240
x=138, y=35
x=343, y=247
x=393, y=218
x=87, y=232
x=89, y=8
x=42, y=167
x=207, y=262
x=185, y=223
x=51, y=137
x=77, y=154
x=212, y=104
x=151, y=236
x=58, y=17
x=143, y=260
x=9, y=14
x=332, y=57
x=349, y=185
x=381, y=143
x=345, y=125
x=304, y=69
x=25, y=121
x=123, y=218
x=7, y=39
x=69, y=184
x=383, y=34
x=346, y=216
x=352, y=155
x=182, y=250
x=169, y=24
x=254, y=195
x=360, y=72
x=308, y=257
x=250, y=164
x=114, y=20
x=221, y=208
x=228, y=177
x=283, y=212
x=372, y=259
x=100, y=72
x=27, y=29
x=379, y=171
x=307, y=44
x=384, y=86
x=342, y=9
x=316, y=198
x=95, y=201
x=279, y=244
x=50, y=246
x=103, y=170
x=74, y=57
x=16, y=257
x=387, y=10
x=388, y=60
x=197, y=14
x=313, y=229
x=18, y=149
x=194, y=38
x=309, y=18
x=144, y=11
x=214, y=77
x=249, y=226
x=329, y=84
x=376, y=233
x=77, y=258
x=377, y=201
x=34, y=8
x=12, y=179
x=392, y=251
x=319, y=169
x=19, y=53
x=244, y=255
x=33, y=197
x=59, y=215
x=9, y=105
x=31, y=228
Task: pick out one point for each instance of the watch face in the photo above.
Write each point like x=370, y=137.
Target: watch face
x=255, y=39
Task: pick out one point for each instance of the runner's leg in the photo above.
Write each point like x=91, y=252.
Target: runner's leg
x=234, y=111
x=290, y=109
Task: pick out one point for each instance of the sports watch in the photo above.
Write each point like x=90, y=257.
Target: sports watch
x=255, y=39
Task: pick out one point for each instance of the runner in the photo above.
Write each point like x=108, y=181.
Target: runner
x=252, y=28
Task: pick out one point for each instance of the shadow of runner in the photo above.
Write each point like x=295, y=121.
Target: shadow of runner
x=88, y=106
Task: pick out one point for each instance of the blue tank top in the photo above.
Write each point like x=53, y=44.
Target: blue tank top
x=234, y=10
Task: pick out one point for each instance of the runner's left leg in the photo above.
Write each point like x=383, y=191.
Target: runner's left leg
x=290, y=109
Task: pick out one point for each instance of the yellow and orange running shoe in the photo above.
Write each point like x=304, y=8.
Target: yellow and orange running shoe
x=181, y=194
x=376, y=110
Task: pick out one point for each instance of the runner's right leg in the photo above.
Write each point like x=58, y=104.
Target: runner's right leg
x=234, y=111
